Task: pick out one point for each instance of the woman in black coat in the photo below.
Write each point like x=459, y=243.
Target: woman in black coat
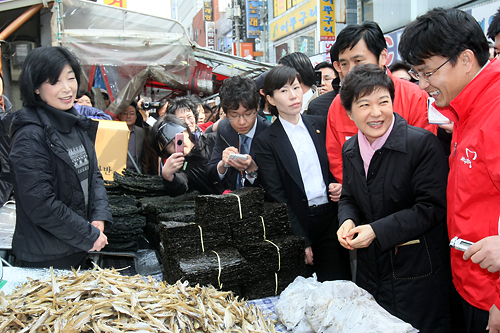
x=61, y=202
x=393, y=205
x=293, y=168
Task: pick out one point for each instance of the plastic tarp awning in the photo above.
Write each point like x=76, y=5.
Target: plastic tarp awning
x=128, y=47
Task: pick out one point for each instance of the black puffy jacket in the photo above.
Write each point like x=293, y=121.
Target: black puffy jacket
x=52, y=221
x=6, y=116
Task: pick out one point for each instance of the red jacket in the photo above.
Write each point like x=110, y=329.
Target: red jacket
x=409, y=102
x=474, y=181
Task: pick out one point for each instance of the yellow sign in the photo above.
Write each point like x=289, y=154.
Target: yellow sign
x=327, y=24
x=299, y=18
x=116, y=3
x=279, y=7
x=296, y=2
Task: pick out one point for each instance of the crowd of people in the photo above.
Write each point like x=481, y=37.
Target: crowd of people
x=375, y=189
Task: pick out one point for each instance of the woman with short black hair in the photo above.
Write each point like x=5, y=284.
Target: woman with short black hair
x=61, y=202
x=293, y=168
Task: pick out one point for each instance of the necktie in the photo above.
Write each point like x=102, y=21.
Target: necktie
x=244, y=144
x=244, y=149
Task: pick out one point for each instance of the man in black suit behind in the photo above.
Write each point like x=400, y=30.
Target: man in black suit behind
x=239, y=100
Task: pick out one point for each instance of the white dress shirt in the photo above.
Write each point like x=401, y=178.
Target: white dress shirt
x=310, y=168
x=250, y=134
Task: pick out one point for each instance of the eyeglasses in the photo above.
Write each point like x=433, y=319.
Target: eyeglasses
x=417, y=76
x=247, y=116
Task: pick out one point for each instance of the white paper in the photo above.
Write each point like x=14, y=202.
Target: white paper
x=435, y=117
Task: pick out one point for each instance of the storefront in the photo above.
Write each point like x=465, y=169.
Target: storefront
x=294, y=29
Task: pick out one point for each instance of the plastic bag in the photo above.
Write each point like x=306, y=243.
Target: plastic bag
x=334, y=306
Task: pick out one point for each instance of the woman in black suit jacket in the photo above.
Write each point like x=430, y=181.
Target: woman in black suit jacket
x=293, y=168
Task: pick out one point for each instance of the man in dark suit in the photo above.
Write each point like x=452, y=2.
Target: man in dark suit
x=235, y=134
x=293, y=164
x=320, y=105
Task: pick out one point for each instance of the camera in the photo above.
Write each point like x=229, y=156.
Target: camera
x=150, y=105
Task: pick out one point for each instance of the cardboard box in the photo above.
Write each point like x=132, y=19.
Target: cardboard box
x=111, y=145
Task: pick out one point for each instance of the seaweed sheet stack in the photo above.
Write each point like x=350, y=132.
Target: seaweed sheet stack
x=165, y=208
x=139, y=202
x=236, y=242
x=128, y=224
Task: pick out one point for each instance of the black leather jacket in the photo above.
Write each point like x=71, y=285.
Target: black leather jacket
x=52, y=219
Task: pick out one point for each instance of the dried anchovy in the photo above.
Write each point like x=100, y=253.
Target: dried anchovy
x=102, y=300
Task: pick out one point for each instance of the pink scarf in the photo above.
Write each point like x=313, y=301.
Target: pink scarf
x=367, y=150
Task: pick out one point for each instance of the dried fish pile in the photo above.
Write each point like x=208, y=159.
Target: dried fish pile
x=102, y=300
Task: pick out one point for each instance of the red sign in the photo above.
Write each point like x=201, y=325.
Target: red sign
x=246, y=49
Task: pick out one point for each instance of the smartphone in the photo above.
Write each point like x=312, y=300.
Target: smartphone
x=318, y=78
x=234, y=156
x=179, y=143
x=460, y=244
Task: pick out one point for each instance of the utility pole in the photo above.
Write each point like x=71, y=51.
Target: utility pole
x=236, y=21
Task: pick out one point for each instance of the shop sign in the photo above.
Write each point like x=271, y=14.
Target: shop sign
x=246, y=49
x=327, y=20
x=299, y=18
x=116, y=3
x=253, y=26
x=208, y=11
x=210, y=31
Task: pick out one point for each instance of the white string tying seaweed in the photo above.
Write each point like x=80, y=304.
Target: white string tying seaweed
x=220, y=269
x=239, y=204
x=201, y=237
x=279, y=255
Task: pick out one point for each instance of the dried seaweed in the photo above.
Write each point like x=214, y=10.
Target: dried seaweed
x=178, y=216
x=204, y=268
x=183, y=239
x=226, y=207
x=136, y=184
x=264, y=257
x=266, y=286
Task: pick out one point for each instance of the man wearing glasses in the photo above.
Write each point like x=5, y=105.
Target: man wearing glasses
x=365, y=44
x=449, y=53
x=239, y=100
x=494, y=31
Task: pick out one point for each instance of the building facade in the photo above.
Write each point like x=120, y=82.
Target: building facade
x=310, y=26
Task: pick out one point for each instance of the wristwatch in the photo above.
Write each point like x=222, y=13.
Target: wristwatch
x=252, y=174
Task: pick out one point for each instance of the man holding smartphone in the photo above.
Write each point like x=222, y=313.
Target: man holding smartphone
x=451, y=62
x=239, y=100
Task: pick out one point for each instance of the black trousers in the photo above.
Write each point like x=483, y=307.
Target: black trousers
x=331, y=260
x=476, y=320
x=74, y=260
